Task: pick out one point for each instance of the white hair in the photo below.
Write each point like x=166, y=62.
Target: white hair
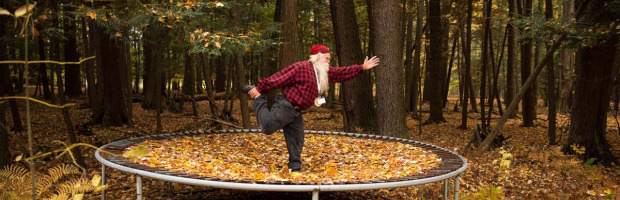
x=321, y=71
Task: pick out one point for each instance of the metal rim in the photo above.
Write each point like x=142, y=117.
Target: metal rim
x=231, y=184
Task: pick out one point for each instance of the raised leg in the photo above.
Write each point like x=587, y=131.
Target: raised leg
x=139, y=187
x=456, y=188
x=103, y=181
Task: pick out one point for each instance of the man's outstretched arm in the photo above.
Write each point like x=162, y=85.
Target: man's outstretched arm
x=342, y=74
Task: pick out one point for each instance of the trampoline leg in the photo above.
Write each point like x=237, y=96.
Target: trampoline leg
x=445, y=189
x=315, y=195
x=456, y=188
x=103, y=181
x=139, y=187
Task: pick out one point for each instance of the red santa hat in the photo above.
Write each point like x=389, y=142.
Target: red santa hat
x=319, y=48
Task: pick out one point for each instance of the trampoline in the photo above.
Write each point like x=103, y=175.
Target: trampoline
x=451, y=167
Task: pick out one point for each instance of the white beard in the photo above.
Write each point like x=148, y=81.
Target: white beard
x=321, y=71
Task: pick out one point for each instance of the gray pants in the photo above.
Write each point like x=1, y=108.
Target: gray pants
x=282, y=115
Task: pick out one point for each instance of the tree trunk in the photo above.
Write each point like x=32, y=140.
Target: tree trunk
x=446, y=87
x=529, y=100
x=5, y=156
x=243, y=99
x=209, y=84
x=288, y=50
x=72, y=72
x=416, y=59
x=188, y=88
x=437, y=71
x=127, y=82
x=485, y=61
x=42, y=67
x=550, y=83
x=77, y=154
x=358, y=105
x=408, y=56
x=566, y=71
x=594, y=66
x=220, y=74
x=467, y=56
x=114, y=105
x=151, y=73
x=388, y=47
x=371, y=38
x=510, y=59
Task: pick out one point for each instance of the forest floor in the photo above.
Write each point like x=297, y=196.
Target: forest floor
x=536, y=171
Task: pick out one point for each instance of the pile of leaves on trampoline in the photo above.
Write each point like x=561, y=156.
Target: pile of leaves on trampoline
x=254, y=157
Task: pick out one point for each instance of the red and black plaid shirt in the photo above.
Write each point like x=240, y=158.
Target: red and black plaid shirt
x=298, y=82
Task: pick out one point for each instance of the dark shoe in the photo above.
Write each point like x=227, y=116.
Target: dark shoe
x=245, y=89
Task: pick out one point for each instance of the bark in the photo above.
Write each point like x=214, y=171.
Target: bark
x=220, y=74
x=371, y=38
x=288, y=50
x=127, y=82
x=409, y=57
x=42, y=67
x=510, y=58
x=567, y=63
x=209, y=86
x=358, y=105
x=89, y=65
x=595, y=70
x=467, y=56
x=5, y=156
x=437, y=72
x=66, y=116
x=151, y=73
x=485, y=62
x=243, y=99
x=72, y=72
x=529, y=100
x=114, y=104
x=388, y=47
x=446, y=87
x=550, y=84
x=416, y=58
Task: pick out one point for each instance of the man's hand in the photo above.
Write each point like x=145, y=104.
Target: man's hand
x=254, y=94
x=369, y=64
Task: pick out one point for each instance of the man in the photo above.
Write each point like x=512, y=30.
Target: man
x=301, y=83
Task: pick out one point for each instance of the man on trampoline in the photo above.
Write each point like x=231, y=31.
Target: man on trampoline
x=302, y=84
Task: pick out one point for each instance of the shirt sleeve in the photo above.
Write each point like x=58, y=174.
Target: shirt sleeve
x=280, y=79
x=342, y=74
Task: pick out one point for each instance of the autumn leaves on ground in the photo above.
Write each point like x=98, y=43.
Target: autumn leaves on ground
x=525, y=167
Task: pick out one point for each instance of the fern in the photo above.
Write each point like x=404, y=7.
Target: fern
x=59, y=197
x=55, y=174
x=15, y=183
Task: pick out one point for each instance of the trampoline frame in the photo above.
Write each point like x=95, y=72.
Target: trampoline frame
x=314, y=188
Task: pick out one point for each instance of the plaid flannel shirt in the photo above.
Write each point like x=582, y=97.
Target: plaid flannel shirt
x=298, y=82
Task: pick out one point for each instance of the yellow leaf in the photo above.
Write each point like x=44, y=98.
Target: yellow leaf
x=96, y=180
x=138, y=152
x=607, y=191
x=19, y=158
x=78, y=197
x=119, y=34
x=4, y=12
x=332, y=171
x=101, y=188
x=104, y=18
x=247, y=49
x=161, y=19
x=24, y=9
x=505, y=163
x=92, y=14
x=218, y=45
